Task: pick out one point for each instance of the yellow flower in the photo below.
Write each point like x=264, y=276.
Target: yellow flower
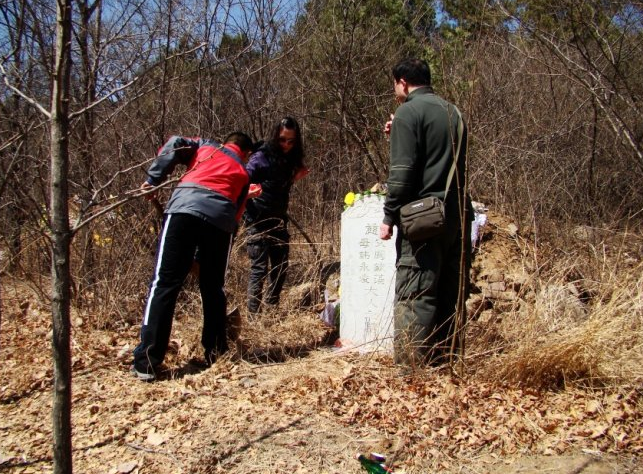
x=349, y=199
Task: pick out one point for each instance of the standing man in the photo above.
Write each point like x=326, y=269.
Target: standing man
x=201, y=214
x=432, y=278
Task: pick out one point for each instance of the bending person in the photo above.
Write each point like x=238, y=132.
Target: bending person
x=202, y=213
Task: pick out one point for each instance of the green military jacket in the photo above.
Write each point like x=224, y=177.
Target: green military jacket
x=424, y=139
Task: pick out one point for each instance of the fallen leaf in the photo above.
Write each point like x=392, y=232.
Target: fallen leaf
x=127, y=467
x=125, y=350
x=598, y=430
x=592, y=406
x=156, y=439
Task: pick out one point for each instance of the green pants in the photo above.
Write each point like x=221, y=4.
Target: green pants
x=426, y=295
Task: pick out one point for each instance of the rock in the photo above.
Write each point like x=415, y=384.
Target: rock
x=497, y=286
x=477, y=304
x=584, y=233
x=513, y=230
x=496, y=277
x=559, y=305
x=518, y=281
x=501, y=295
x=487, y=316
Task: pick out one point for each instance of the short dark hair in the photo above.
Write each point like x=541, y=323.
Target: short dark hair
x=243, y=141
x=415, y=72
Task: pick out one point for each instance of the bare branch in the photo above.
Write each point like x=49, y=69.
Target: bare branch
x=30, y=100
x=127, y=196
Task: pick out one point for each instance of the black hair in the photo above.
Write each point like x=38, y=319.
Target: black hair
x=243, y=141
x=415, y=72
x=257, y=145
x=296, y=153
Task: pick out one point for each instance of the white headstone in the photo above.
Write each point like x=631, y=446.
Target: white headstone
x=367, y=277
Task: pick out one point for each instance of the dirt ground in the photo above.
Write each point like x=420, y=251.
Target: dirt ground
x=310, y=409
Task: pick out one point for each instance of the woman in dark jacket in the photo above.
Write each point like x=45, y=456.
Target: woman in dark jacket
x=275, y=166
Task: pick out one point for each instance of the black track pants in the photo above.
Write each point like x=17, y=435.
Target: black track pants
x=182, y=234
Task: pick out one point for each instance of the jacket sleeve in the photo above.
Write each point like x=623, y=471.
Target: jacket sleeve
x=402, y=173
x=177, y=150
x=257, y=167
x=241, y=202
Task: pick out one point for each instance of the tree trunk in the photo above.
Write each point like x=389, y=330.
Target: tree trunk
x=61, y=238
x=168, y=39
x=86, y=137
x=16, y=208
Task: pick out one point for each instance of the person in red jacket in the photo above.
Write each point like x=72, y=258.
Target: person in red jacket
x=202, y=213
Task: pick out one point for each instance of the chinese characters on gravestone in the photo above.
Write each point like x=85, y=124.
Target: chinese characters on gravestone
x=367, y=277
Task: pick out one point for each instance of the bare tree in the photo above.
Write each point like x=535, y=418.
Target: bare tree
x=597, y=45
x=61, y=239
x=11, y=165
x=88, y=36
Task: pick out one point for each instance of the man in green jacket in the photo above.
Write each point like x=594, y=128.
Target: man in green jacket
x=432, y=280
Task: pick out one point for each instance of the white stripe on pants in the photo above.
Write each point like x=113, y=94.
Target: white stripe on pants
x=156, y=270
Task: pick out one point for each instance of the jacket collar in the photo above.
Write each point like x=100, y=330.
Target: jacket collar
x=233, y=148
x=419, y=91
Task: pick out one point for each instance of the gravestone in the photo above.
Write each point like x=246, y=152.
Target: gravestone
x=367, y=277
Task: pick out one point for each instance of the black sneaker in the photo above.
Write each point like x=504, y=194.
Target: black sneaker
x=200, y=364
x=143, y=376
x=209, y=358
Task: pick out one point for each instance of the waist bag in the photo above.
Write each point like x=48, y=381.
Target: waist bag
x=424, y=218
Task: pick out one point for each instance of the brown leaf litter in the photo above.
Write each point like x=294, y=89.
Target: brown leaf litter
x=286, y=402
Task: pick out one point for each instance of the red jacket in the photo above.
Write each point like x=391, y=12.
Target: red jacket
x=215, y=184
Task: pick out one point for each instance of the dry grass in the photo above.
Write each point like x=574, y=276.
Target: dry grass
x=572, y=323
x=282, y=402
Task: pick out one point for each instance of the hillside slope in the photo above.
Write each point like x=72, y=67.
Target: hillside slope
x=310, y=408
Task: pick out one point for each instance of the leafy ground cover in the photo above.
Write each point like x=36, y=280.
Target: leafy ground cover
x=288, y=401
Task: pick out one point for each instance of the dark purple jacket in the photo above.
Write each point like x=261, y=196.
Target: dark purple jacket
x=276, y=175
